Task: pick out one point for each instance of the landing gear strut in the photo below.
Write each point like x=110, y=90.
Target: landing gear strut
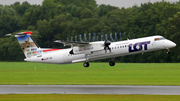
x=86, y=64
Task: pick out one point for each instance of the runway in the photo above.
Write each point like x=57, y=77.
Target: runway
x=89, y=89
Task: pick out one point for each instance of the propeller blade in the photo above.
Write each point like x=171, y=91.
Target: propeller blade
x=105, y=49
x=116, y=39
x=80, y=38
x=111, y=37
x=75, y=38
x=94, y=37
x=106, y=38
x=90, y=37
x=109, y=49
x=71, y=39
x=85, y=38
x=106, y=46
x=120, y=37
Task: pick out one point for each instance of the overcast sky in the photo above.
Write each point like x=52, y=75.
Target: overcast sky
x=118, y=3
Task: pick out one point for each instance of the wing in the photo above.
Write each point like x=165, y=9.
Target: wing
x=69, y=43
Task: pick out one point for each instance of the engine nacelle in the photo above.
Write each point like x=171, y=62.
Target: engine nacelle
x=89, y=49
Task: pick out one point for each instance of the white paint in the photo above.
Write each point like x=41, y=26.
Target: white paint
x=120, y=48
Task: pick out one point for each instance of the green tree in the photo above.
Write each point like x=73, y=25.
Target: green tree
x=21, y=8
x=86, y=13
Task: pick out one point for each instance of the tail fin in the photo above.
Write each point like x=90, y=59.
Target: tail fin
x=28, y=44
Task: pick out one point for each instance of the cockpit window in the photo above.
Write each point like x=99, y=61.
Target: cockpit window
x=162, y=38
x=157, y=39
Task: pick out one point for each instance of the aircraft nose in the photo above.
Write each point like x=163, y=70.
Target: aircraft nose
x=172, y=44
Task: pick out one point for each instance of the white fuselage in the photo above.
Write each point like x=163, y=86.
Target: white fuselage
x=120, y=48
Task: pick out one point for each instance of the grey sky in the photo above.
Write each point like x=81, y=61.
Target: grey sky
x=118, y=3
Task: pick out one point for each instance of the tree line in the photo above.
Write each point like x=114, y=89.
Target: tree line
x=62, y=19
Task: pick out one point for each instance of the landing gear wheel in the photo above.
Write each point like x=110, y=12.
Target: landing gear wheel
x=86, y=64
x=168, y=52
x=112, y=63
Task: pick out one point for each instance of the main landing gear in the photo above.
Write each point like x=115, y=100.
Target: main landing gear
x=112, y=63
x=86, y=64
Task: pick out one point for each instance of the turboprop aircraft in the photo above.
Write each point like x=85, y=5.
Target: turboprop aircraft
x=89, y=51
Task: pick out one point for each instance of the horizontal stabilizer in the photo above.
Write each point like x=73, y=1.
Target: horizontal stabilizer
x=8, y=34
x=20, y=33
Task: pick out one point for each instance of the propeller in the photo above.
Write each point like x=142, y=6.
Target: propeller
x=80, y=38
x=75, y=38
x=106, y=46
x=71, y=39
x=111, y=37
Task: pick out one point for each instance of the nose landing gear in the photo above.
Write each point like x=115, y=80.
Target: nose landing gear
x=168, y=51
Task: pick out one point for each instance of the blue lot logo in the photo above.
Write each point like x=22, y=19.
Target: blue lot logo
x=138, y=46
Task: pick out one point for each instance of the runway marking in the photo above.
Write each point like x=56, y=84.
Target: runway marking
x=89, y=89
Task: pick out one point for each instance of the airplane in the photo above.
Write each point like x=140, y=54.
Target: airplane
x=89, y=51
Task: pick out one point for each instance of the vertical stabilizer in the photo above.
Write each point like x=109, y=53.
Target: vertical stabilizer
x=28, y=44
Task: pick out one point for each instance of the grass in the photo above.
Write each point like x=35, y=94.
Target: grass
x=24, y=73
x=56, y=97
